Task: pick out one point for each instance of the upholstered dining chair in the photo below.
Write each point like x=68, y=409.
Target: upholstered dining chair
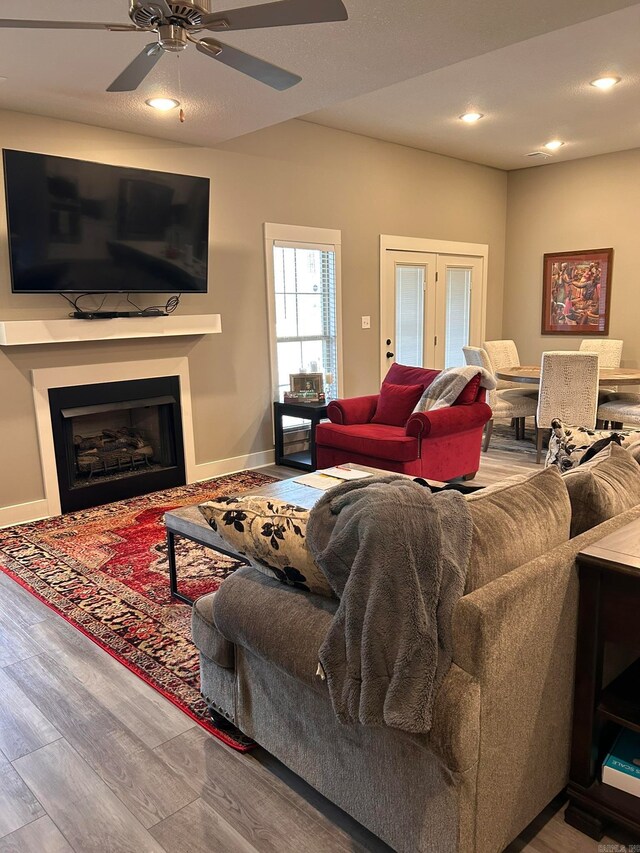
x=568, y=390
x=609, y=350
x=509, y=403
x=503, y=354
x=620, y=409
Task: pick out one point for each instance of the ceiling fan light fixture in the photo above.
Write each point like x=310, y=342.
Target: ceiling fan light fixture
x=554, y=145
x=471, y=117
x=162, y=104
x=605, y=83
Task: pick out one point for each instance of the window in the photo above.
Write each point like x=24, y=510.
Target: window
x=303, y=266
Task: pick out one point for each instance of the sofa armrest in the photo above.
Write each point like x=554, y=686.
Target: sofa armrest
x=448, y=421
x=353, y=410
x=516, y=637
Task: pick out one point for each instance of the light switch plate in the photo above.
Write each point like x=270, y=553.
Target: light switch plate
x=366, y=322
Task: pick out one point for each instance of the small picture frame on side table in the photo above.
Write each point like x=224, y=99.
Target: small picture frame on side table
x=305, y=388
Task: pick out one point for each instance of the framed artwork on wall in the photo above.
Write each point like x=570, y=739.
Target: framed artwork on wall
x=576, y=292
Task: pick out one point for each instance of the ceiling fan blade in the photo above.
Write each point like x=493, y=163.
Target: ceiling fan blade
x=284, y=13
x=260, y=70
x=66, y=25
x=137, y=70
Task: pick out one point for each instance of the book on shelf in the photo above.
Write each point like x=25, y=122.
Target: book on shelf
x=621, y=767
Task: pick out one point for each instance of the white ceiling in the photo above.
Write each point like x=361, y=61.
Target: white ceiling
x=529, y=93
x=65, y=74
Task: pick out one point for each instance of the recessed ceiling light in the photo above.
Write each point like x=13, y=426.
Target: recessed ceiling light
x=163, y=104
x=605, y=82
x=471, y=118
x=553, y=145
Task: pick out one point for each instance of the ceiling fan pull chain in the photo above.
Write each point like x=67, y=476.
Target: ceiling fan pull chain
x=181, y=115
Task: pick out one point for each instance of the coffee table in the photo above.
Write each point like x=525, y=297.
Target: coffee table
x=189, y=523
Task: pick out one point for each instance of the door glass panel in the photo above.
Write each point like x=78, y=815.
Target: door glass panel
x=458, y=309
x=410, y=314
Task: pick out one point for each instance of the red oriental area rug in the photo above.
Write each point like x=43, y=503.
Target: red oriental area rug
x=105, y=570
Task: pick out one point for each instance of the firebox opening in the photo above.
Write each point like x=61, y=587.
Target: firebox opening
x=118, y=440
x=115, y=440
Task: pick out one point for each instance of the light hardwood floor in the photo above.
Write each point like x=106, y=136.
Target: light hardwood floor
x=93, y=760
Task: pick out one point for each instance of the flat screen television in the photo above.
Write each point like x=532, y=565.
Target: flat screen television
x=81, y=227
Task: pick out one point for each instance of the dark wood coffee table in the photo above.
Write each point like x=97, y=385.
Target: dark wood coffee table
x=609, y=612
x=189, y=522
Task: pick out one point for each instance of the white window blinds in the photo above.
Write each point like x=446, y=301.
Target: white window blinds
x=410, y=282
x=458, y=306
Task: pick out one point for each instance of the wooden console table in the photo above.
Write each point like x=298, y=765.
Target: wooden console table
x=609, y=612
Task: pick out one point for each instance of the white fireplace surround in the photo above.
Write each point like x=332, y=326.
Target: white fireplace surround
x=92, y=374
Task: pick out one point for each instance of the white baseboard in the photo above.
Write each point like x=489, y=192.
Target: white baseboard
x=207, y=470
x=21, y=513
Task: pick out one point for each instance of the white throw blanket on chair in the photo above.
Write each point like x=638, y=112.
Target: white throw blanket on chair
x=449, y=384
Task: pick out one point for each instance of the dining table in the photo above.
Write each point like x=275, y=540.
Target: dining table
x=530, y=374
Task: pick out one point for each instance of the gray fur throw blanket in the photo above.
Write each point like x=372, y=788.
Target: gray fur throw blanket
x=397, y=556
x=449, y=384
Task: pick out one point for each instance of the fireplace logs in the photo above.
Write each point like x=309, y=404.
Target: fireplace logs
x=112, y=450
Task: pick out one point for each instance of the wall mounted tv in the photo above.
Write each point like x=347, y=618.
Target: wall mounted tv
x=80, y=227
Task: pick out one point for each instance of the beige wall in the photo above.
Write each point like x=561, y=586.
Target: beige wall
x=295, y=173
x=585, y=204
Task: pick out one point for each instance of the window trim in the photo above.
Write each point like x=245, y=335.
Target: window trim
x=317, y=238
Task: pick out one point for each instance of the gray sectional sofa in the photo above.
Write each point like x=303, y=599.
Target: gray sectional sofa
x=498, y=750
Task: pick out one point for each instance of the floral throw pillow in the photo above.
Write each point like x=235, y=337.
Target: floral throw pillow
x=572, y=446
x=272, y=535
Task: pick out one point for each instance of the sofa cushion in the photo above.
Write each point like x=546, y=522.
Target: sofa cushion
x=603, y=489
x=272, y=534
x=634, y=449
x=516, y=521
x=568, y=445
x=395, y=403
x=375, y=440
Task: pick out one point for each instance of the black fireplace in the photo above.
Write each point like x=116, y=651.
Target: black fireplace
x=116, y=440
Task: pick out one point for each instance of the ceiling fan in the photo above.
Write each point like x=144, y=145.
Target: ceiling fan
x=176, y=21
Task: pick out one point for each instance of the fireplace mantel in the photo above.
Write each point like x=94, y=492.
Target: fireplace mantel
x=29, y=332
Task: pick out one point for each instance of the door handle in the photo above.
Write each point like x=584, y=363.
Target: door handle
x=390, y=355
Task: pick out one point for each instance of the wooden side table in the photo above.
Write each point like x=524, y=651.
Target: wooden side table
x=314, y=412
x=609, y=612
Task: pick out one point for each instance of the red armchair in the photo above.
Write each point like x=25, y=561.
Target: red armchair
x=439, y=445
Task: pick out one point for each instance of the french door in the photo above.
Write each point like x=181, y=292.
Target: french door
x=431, y=306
